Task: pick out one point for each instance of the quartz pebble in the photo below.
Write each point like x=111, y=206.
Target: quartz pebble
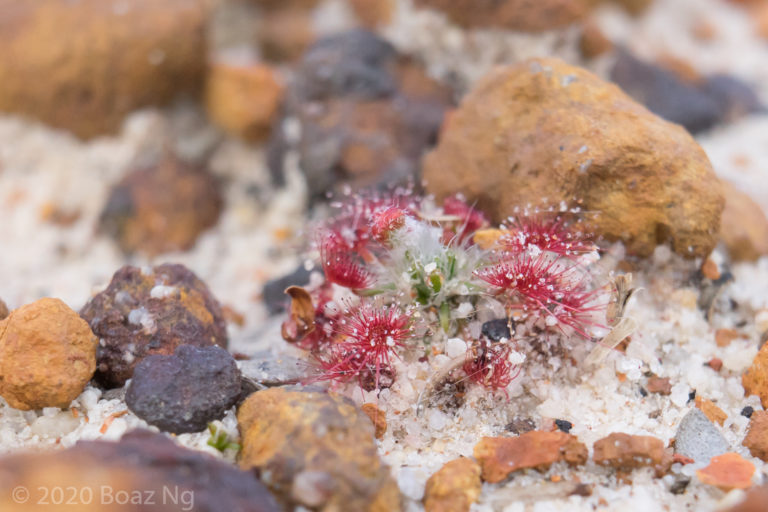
x=699, y=439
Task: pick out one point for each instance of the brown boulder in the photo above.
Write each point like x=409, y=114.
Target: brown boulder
x=500, y=456
x=316, y=450
x=545, y=129
x=243, y=99
x=147, y=311
x=523, y=15
x=47, y=355
x=755, y=379
x=162, y=208
x=143, y=472
x=756, y=439
x=626, y=452
x=454, y=487
x=743, y=228
x=82, y=66
x=4, y=312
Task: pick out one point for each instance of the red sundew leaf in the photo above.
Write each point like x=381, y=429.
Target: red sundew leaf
x=491, y=367
x=386, y=222
x=471, y=219
x=358, y=215
x=340, y=265
x=548, y=233
x=546, y=285
x=370, y=338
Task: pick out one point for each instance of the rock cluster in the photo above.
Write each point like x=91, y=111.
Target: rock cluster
x=315, y=450
x=162, y=208
x=185, y=391
x=147, y=311
x=544, y=128
x=83, y=66
x=366, y=114
x=142, y=464
x=47, y=355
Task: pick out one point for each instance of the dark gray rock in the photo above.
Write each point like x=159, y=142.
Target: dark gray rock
x=145, y=464
x=496, y=330
x=184, y=391
x=698, y=106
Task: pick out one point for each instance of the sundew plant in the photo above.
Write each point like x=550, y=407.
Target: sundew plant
x=404, y=277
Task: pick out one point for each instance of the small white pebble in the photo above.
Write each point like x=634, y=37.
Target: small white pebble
x=455, y=347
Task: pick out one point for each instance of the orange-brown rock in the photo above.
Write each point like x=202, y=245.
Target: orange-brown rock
x=710, y=270
x=500, y=456
x=755, y=379
x=744, y=227
x=545, y=129
x=316, y=450
x=523, y=15
x=103, y=476
x=659, y=385
x=756, y=439
x=762, y=21
x=243, y=99
x=82, y=66
x=627, y=452
x=724, y=336
x=373, y=13
x=4, y=312
x=727, y=472
x=162, y=208
x=593, y=42
x=284, y=34
x=47, y=355
x=454, y=487
x=378, y=418
x=710, y=410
